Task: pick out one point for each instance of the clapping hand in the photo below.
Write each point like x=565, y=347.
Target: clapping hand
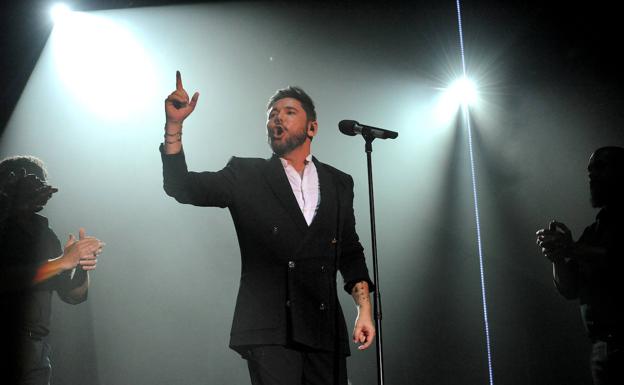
x=555, y=241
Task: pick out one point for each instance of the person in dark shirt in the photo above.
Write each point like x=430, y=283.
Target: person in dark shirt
x=33, y=265
x=591, y=269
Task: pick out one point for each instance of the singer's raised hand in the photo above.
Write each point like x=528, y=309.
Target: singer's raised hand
x=177, y=105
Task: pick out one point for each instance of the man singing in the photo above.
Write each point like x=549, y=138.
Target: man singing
x=296, y=229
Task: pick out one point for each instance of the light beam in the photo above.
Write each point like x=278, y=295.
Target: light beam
x=466, y=120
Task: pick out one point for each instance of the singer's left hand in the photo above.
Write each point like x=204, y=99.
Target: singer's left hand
x=364, y=331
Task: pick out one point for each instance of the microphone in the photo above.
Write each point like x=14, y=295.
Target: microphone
x=352, y=128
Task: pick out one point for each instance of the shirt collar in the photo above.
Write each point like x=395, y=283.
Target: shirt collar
x=34, y=224
x=285, y=162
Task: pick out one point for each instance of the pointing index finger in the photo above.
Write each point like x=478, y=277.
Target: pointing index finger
x=179, y=81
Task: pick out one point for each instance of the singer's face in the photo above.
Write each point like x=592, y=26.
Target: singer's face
x=287, y=126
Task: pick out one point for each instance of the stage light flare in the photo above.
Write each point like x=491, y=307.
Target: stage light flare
x=461, y=93
x=60, y=12
x=103, y=66
x=464, y=91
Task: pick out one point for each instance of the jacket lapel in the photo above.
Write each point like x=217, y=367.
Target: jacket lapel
x=328, y=195
x=277, y=180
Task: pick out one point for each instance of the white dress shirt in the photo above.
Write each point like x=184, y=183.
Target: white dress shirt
x=305, y=187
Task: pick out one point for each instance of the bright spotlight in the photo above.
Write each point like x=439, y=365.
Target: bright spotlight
x=464, y=91
x=59, y=12
x=461, y=93
x=96, y=58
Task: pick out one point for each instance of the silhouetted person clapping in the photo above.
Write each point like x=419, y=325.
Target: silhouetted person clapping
x=591, y=269
x=33, y=265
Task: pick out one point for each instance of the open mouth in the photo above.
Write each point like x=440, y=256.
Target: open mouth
x=277, y=133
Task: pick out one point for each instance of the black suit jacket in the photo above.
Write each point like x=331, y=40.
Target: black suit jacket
x=287, y=290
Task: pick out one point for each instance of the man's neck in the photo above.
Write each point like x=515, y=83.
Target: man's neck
x=25, y=220
x=614, y=207
x=297, y=157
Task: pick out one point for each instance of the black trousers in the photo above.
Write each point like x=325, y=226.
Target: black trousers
x=281, y=365
x=607, y=362
x=28, y=361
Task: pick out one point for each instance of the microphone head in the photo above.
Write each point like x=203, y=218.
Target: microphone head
x=347, y=127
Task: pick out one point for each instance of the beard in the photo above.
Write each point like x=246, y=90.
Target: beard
x=597, y=197
x=603, y=193
x=284, y=147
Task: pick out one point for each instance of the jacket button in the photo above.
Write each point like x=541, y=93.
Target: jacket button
x=322, y=306
x=291, y=264
x=275, y=230
x=287, y=303
x=323, y=268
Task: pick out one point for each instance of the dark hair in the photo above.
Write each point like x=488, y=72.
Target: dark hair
x=31, y=164
x=298, y=94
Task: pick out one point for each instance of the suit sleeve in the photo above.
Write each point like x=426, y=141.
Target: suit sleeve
x=352, y=263
x=214, y=189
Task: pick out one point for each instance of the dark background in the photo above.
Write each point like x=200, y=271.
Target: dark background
x=554, y=81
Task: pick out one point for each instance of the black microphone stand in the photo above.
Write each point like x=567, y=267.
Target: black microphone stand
x=377, y=295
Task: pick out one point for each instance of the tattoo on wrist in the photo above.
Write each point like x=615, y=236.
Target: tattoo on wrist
x=360, y=292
